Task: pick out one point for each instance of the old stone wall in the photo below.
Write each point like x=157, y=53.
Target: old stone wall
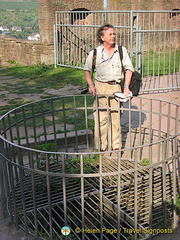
x=30, y=52
x=142, y=5
x=48, y=8
x=22, y=51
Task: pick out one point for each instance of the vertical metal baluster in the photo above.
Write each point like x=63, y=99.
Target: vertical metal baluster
x=101, y=195
x=140, y=128
x=48, y=176
x=164, y=193
x=33, y=182
x=21, y=178
x=119, y=197
x=86, y=121
x=2, y=178
x=135, y=193
x=159, y=130
x=151, y=182
x=53, y=121
x=64, y=189
x=43, y=121
x=64, y=121
x=175, y=179
x=75, y=123
x=82, y=194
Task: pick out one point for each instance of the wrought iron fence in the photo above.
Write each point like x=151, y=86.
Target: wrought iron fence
x=51, y=175
x=151, y=37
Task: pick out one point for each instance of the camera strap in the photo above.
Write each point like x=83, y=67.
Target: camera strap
x=94, y=61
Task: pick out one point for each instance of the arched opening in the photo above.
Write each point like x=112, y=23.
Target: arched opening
x=79, y=14
x=175, y=13
x=134, y=20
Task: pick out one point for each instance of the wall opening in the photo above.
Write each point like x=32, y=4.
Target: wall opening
x=79, y=14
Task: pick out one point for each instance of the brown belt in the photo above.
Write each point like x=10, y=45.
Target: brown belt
x=112, y=82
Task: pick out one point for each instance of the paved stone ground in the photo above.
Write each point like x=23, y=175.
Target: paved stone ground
x=9, y=232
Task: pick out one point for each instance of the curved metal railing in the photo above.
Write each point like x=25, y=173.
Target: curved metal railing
x=52, y=176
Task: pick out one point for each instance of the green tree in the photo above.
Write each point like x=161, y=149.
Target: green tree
x=20, y=18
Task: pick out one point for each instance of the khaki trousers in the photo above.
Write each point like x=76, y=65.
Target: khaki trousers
x=107, y=116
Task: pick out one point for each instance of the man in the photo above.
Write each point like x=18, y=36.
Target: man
x=108, y=75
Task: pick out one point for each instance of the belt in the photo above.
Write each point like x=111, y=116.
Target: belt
x=112, y=82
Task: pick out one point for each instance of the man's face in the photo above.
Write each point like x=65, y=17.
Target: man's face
x=109, y=36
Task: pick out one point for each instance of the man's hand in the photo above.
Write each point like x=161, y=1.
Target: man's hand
x=92, y=90
x=88, y=78
x=126, y=92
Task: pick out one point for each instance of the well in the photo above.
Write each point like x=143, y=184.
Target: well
x=52, y=177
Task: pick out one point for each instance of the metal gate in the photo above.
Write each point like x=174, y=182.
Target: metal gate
x=151, y=38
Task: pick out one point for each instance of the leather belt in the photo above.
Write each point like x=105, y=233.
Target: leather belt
x=112, y=82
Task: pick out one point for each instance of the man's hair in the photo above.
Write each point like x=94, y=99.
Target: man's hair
x=100, y=31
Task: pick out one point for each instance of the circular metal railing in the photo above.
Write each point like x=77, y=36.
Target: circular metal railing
x=52, y=175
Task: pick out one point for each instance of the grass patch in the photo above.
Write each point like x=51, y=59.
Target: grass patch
x=11, y=104
x=159, y=64
x=35, y=79
x=44, y=76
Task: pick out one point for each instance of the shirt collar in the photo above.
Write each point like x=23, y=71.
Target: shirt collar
x=103, y=54
x=115, y=49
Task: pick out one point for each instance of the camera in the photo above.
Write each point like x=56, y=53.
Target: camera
x=84, y=89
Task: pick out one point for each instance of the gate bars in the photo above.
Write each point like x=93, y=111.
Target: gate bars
x=151, y=38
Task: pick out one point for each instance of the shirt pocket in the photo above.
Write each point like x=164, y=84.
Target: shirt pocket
x=103, y=71
x=117, y=69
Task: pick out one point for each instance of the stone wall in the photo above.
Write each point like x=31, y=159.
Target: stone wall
x=30, y=52
x=142, y=5
x=23, y=52
x=49, y=7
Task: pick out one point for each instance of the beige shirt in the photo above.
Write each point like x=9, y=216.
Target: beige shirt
x=109, y=69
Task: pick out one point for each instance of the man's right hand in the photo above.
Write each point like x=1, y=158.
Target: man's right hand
x=92, y=90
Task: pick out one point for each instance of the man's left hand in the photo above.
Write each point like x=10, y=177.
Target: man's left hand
x=126, y=92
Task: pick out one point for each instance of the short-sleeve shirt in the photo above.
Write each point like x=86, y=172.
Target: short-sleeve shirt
x=109, y=68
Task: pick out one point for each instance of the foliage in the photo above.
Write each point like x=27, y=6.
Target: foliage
x=20, y=5
x=47, y=147
x=73, y=164
x=145, y=162
x=170, y=202
x=27, y=17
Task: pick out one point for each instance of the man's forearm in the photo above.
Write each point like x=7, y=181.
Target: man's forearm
x=90, y=83
x=127, y=81
x=88, y=78
x=128, y=76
